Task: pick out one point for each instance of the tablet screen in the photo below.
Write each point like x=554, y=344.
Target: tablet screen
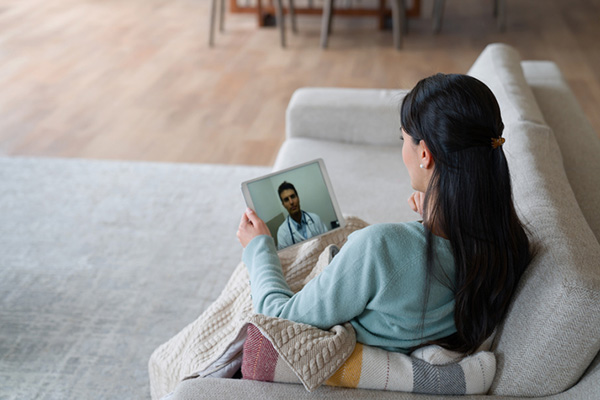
x=296, y=203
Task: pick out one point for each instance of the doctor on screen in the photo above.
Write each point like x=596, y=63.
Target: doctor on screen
x=298, y=225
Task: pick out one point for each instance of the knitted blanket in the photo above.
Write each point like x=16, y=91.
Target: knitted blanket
x=271, y=353
x=212, y=344
x=229, y=335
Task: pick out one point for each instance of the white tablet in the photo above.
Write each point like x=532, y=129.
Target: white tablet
x=296, y=203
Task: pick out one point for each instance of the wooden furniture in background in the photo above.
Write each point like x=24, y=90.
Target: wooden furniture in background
x=381, y=12
x=398, y=21
x=499, y=13
x=278, y=11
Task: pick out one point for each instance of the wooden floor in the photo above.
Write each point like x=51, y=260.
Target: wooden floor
x=135, y=79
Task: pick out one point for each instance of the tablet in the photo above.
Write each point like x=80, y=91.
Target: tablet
x=296, y=203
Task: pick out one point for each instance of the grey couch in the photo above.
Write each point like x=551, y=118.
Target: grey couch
x=548, y=345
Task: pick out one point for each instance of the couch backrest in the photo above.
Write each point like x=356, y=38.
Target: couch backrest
x=364, y=116
x=552, y=331
x=578, y=141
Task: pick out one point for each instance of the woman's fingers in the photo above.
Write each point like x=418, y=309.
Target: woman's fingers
x=244, y=220
x=415, y=201
x=250, y=227
x=251, y=216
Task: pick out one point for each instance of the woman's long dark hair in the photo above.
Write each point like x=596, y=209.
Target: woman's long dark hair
x=469, y=200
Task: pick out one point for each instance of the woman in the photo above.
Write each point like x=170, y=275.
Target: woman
x=447, y=280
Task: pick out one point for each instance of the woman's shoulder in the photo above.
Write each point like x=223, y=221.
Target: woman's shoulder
x=413, y=227
x=405, y=231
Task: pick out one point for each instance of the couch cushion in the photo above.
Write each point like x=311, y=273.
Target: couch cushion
x=369, y=182
x=550, y=335
x=227, y=389
x=367, y=116
x=579, y=143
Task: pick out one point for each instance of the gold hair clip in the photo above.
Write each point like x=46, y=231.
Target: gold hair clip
x=497, y=142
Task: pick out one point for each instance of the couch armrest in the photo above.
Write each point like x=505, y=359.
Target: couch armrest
x=369, y=116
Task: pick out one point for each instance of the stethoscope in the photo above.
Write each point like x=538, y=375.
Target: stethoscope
x=290, y=226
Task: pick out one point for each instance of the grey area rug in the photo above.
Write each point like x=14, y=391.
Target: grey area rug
x=101, y=262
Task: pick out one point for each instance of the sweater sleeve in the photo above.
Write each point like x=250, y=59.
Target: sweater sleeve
x=340, y=293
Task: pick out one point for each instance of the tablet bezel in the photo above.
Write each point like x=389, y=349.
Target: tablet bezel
x=250, y=201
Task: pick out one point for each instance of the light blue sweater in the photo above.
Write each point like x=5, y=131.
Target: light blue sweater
x=376, y=282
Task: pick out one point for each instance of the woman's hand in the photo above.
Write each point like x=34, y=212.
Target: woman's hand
x=250, y=227
x=415, y=201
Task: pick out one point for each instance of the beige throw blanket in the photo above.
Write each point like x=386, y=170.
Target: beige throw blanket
x=213, y=342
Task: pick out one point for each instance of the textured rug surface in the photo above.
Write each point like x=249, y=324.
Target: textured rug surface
x=101, y=262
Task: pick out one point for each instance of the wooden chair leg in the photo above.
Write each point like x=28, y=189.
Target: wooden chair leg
x=326, y=22
x=280, y=21
x=438, y=14
x=293, y=16
x=259, y=14
x=330, y=20
x=398, y=22
x=211, y=32
x=403, y=18
x=222, y=17
x=500, y=13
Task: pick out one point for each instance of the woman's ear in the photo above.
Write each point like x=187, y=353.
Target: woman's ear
x=425, y=157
